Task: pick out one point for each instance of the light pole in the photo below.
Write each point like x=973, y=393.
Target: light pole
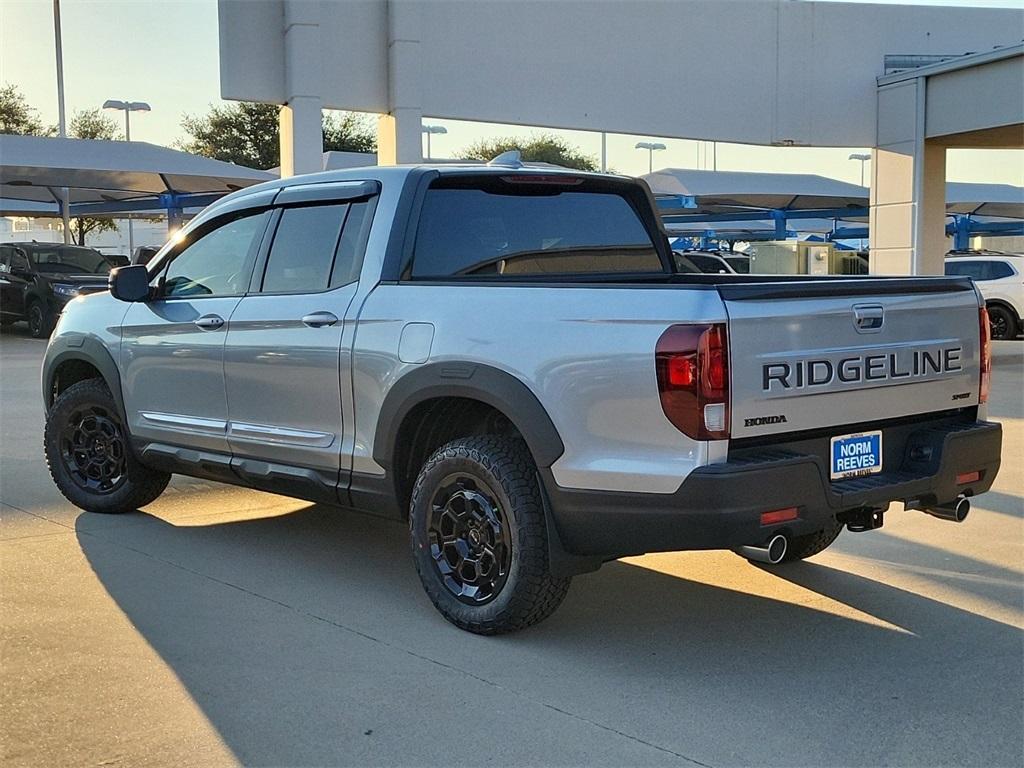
x=61, y=126
x=651, y=147
x=863, y=159
x=128, y=107
x=430, y=130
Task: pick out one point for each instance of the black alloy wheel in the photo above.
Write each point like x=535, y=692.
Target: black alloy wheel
x=37, y=320
x=479, y=536
x=93, y=450
x=470, y=541
x=1001, y=324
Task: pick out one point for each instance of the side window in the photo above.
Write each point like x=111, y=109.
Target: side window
x=19, y=261
x=349, y=258
x=219, y=263
x=300, y=258
x=994, y=270
x=965, y=268
x=5, y=258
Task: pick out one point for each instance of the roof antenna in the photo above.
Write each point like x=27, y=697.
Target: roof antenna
x=513, y=159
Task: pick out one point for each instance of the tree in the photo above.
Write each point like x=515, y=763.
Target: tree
x=348, y=132
x=92, y=124
x=540, y=148
x=17, y=117
x=248, y=134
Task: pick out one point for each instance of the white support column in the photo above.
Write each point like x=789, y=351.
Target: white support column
x=399, y=133
x=908, y=187
x=301, y=118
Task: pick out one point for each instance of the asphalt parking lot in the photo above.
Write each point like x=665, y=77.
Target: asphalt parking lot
x=225, y=626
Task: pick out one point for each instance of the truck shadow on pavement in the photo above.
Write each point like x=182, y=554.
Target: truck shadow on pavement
x=306, y=639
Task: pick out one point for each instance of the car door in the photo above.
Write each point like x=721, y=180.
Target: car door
x=172, y=350
x=283, y=355
x=14, y=269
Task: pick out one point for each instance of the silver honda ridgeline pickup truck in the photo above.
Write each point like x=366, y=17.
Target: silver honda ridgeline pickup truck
x=511, y=359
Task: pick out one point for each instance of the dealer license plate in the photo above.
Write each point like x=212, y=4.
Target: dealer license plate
x=856, y=455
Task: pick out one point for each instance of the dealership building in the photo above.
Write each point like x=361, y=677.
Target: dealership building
x=908, y=81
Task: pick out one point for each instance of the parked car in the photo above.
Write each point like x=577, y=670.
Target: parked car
x=1000, y=278
x=144, y=254
x=508, y=358
x=38, y=279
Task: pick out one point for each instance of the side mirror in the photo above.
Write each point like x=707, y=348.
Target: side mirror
x=129, y=283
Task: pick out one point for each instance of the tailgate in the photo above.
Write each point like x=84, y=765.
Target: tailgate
x=819, y=353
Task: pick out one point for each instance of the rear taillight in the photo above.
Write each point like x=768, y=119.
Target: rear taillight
x=692, y=364
x=985, y=332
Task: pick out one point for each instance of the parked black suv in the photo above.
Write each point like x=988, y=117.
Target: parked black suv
x=38, y=279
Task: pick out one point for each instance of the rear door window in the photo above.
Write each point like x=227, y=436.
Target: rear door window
x=497, y=229
x=351, y=245
x=303, y=249
x=317, y=247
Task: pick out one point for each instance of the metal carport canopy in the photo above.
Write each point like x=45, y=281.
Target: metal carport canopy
x=37, y=168
x=722, y=191
x=1002, y=200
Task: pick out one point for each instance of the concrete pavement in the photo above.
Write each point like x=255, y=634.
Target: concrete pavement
x=225, y=626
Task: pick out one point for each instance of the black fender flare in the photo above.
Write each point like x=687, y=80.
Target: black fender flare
x=87, y=349
x=474, y=381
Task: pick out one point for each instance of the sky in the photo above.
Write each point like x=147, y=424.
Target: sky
x=164, y=52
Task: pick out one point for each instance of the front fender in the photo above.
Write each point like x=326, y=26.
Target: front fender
x=88, y=349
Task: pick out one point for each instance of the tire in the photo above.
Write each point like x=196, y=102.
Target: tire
x=1001, y=322
x=497, y=579
x=802, y=547
x=89, y=455
x=40, y=320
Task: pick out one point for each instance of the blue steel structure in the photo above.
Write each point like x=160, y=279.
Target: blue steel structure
x=962, y=227
x=672, y=208
x=173, y=203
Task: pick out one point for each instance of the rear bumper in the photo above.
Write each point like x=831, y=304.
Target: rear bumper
x=719, y=506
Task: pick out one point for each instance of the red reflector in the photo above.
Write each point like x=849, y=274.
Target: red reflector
x=985, y=334
x=968, y=477
x=778, y=516
x=682, y=371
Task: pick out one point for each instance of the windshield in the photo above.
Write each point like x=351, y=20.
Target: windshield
x=69, y=259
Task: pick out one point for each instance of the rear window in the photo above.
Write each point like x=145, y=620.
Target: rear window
x=684, y=265
x=496, y=229
x=740, y=263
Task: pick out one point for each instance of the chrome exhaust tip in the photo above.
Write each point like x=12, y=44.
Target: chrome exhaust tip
x=956, y=510
x=771, y=554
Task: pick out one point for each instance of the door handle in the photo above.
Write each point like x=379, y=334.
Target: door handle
x=868, y=317
x=209, y=322
x=319, y=319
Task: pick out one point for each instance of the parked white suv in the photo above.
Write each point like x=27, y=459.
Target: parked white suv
x=1000, y=277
